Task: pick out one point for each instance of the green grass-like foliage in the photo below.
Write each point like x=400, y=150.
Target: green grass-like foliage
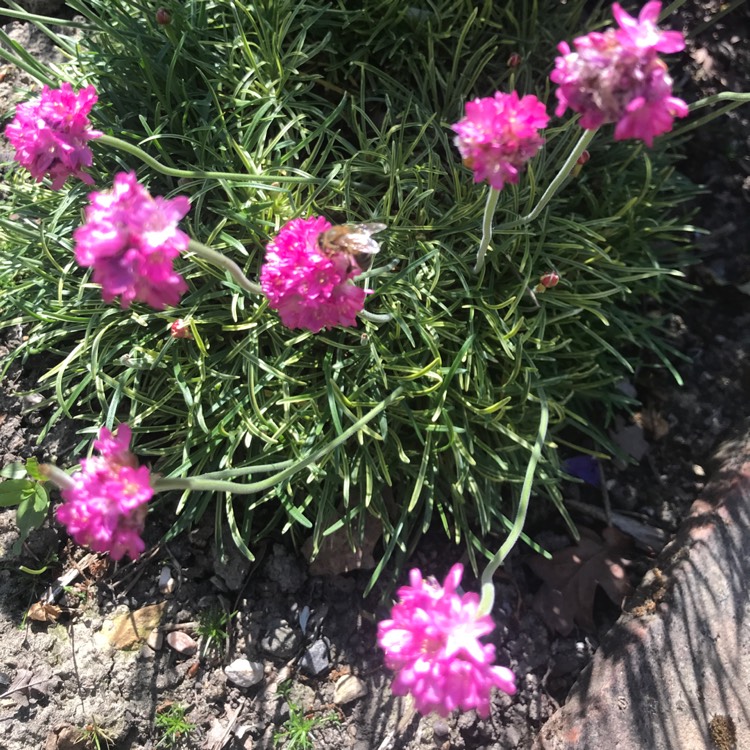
x=172, y=726
x=347, y=106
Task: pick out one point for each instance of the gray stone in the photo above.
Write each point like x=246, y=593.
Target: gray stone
x=244, y=673
x=282, y=640
x=441, y=728
x=166, y=582
x=315, y=659
x=347, y=689
x=231, y=566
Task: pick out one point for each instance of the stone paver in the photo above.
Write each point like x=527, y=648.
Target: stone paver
x=674, y=672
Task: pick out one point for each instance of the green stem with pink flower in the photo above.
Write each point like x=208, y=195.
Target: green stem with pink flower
x=560, y=178
x=488, y=587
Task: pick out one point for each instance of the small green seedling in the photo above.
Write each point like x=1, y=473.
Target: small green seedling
x=296, y=734
x=213, y=628
x=95, y=737
x=172, y=725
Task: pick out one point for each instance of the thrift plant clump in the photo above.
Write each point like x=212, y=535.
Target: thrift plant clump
x=465, y=374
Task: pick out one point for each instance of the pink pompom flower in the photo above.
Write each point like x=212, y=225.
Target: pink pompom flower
x=432, y=643
x=51, y=133
x=131, y=240
x=308, y=280
x=615, y=76
x=499, y=134
x=642, y=33
x=105, y=507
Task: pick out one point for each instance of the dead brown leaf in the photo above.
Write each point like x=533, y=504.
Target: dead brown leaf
x=652, y=422
x=41, y=612
x=571, y=577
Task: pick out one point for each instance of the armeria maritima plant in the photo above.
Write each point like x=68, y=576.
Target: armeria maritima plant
x=616, y=76
x=499, y=134
x=309, y=283
x=50, y=134
x=432, y=644
x=104, y=504
x=131, y=240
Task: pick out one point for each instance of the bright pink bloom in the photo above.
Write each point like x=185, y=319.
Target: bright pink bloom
x=643, y=33
x=499, y=134
x=131, y=239
x=432, y=643
x=309, y=284
x=51, y=132
x=616, y=76
x=105, y=508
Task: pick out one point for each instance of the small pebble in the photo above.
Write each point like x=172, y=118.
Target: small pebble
x=441, y=728
x=166, y=582
x=155, y=639
x=315, y=659
x=182, y=643
x=244, y=673
x=348, y=688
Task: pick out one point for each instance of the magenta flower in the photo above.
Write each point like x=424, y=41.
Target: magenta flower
x=308, y=281
x=499, y=135
x=432, y=643
x=616, y=76
x=105, y=508
x=130, y=239
x=50, y=134
x=643, y=33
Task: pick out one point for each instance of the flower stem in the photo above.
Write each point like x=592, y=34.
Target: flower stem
x=376, y=317
x=56, y=476
x=489, y=210
x=561, y=176
x=200, y=483
x=488, y=587
x=133, y=150
x=549, y=193
x=217, y=259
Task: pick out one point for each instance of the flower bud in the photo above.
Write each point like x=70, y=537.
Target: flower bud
x=583, y=158
x=514, y=60
x=548, y=280
x=163, y=17
x=180, y=329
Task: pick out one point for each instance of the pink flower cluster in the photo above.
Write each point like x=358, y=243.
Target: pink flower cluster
x=105, y=508
x=50, y=134
x=308, y=284
x=617, y=76
x=432, y=643
x=131, y=239
x=499, y=134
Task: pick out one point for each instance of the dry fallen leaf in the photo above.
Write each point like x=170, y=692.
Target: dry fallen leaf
x=571, y=577
x=44, y=612
x=653, y=422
